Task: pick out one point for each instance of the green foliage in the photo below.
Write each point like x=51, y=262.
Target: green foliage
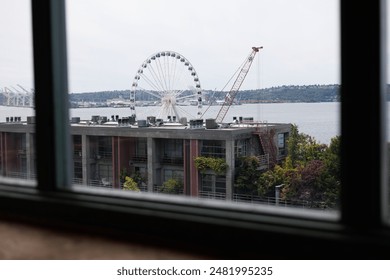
x=291, y=93
x=123, y=174
x=303, y=148
x=331, y=178
x=172, y=186
x=218, y=165
x=138, y=178
x=248, y=175
x=277, y=176
x=285, y=93
x=310, y=172
x=130, y=185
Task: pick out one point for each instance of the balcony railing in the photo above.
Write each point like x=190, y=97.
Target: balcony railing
x=21, y=175
x=101, y=155
x=160, y=189
x=212, y=195
x=172, y=160
x=139, y=159
x=281, y=202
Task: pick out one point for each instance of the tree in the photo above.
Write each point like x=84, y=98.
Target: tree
x=310, y=172
x=303, y=148
x=130, y=185
x=286, y=175
x=139, y=178
x=122, y=175
x=247, y=175
x=331, y=177
x=172, y=186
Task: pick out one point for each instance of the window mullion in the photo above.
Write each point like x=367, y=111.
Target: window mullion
x=51, y=94
x=362, y=117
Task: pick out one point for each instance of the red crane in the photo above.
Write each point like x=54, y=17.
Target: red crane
x=236, y=86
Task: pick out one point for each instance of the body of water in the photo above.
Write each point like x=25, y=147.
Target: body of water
x=320, y=120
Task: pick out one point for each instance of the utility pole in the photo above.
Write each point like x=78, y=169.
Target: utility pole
x=277, y=194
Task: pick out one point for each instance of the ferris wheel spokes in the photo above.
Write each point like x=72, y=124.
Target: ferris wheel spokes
x=171, y=78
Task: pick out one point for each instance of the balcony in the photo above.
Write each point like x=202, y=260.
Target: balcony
x=172, y=160
x=139, y=159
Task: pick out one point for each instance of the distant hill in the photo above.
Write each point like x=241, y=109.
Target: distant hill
x=309, y=93
x=280, y=94
x=286, y=93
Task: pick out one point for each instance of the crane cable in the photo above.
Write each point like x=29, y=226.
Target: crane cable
x=235, y=73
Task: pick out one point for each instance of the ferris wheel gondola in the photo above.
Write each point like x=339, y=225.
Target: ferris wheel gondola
x=169, y=80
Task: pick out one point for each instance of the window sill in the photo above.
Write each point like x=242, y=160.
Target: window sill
x=218, y=229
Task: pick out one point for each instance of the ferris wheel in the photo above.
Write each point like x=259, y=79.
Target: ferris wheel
x=168, y=80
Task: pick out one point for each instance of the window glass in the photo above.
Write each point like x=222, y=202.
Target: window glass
x=17, y=116
x=236, y=100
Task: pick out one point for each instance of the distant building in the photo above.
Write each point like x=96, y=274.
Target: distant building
x=105, y=150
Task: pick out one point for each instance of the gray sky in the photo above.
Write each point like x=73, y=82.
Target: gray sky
x=109, y=40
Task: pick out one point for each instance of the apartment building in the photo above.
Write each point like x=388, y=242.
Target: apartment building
x=106, y=150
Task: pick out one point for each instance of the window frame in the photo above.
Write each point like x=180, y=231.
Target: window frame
x=217, y=229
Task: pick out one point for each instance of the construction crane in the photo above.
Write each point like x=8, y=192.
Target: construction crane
x=15, y=97
x=28, y=97
x=229, y=98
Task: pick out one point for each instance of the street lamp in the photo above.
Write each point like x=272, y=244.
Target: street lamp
x=277, y=193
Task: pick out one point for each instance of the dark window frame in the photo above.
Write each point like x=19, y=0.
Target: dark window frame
x=215, y=229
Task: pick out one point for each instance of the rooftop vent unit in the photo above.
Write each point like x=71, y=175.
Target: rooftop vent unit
x=196, y=124
x=73, y=120
x=142, y=123
x=103, y=119
x=159, y=122
x=124, y=121
x=151, y=119
x=248, y=120
x=95, y=119
x=211, y=124
x=132, y=119
x=183, y=120
x=31, y=120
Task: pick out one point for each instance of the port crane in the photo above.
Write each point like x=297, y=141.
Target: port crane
x=15, y=97
x=229, y=98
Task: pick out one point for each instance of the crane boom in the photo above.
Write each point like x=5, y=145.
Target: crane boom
x=236, y=86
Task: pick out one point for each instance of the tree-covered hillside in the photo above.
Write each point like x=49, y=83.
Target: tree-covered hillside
x=286, y=93
x=310, y=93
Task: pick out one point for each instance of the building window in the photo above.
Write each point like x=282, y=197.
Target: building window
x=213, y=186
x=141, y=150
x=77, y=159
x=213, y=148
x=241, y=147
x=282, y=144
x=172, y=174
x=172, y=151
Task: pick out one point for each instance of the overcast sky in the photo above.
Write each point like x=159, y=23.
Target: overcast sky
x=109, y=40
